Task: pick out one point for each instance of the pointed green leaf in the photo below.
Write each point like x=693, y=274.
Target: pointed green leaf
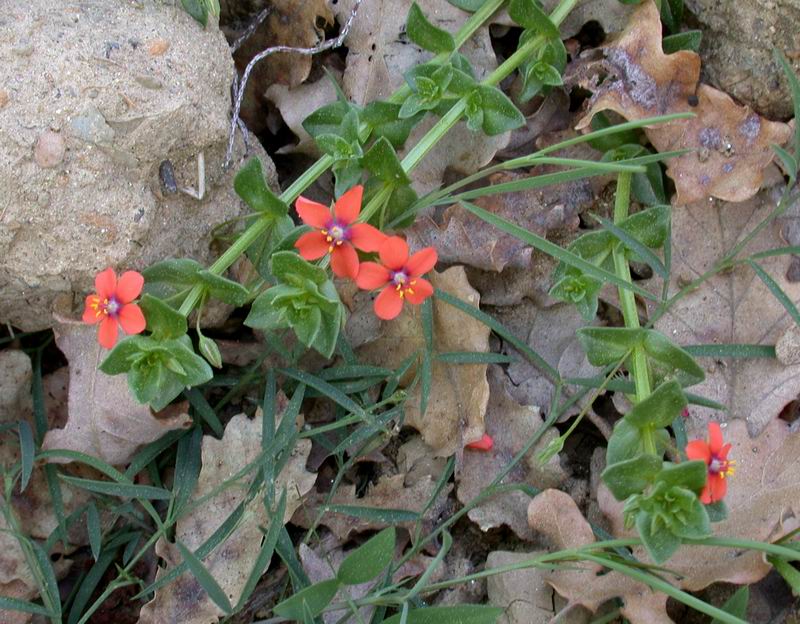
x=311, y=600
x=205, y=579
x=457, y=614
x=426, y=35
x=251, y=186
x=631, y=476
x=163, y=320
x=527, y=14
x=368, y=560
x=381, y=160
x=660, y=408
x=499, y=113
x=659, y=542
x=224, y=289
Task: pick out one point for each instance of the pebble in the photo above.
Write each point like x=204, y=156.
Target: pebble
x=49, y=149
x=157, y=47
x=91, y=127
x=3, y=98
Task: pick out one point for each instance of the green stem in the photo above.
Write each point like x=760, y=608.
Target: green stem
x=630, y=314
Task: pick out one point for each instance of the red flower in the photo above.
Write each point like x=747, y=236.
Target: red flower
x=715, y=454
x=337, y=234
x=484, y=444
x=398, y=275
x=111, y=304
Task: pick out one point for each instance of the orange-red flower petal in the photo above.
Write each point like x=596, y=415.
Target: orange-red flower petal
x=419, y=292
x=105, y=283
x=91, y=309
x=344, y=261
x=484, y=444
x=312, y=213
x=107, y=336
x=714, y=438
x=131, y=319
x=394, y=253
x=698, y=449
x=372, y=275
x=129, y=286
x=388, y=304
x=422, y=261
x=366, y=238
x=348, y=206
x=312, y=245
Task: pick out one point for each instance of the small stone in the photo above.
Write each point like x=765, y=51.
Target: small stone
x=157, y=47
x=49, y=149
x=148, y=81
x=91, y=127
x=3, y=98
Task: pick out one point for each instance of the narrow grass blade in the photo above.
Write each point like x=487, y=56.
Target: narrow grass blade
x=777, y=291
x=794, y=89
x=474, y=357
x=205, y=579
x=327, y=389
x=537, y=360
x=90, y=583
x=23, y=606
x=94, y=530
x=120, y=490
x=353, y=371
x=204, y=410
x=778, y=251
x=149, y=453
x=731, y=351
x=644, y=252
x=27, y=451
x=551, y=249
x=447, y=542
x=285, y=549
x=376, y=514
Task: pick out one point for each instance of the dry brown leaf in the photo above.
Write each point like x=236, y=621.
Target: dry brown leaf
x=184, y=600
x=511, y=425
x=105, y=421
x=732, y=307
x=730, y=144
x=459, y=393
x=390, y=492
x=554, y=514
x=763, y=503
x=464, y=238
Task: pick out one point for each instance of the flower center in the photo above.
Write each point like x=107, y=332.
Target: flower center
x=402, y=283
x=721, y=467
x=108, y=307
x=335, y=234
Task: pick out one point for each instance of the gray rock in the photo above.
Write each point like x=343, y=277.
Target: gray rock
x=99, y=202
x=738, y=39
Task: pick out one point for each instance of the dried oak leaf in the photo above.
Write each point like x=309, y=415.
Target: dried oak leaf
x=730, y=144
x=732, y=307
x=464, y=238
x=184, y=600
x=390, y=492
x=105, y=421
x=458, y=392
x=511, y=425
x=763, y=503
x=555, y=515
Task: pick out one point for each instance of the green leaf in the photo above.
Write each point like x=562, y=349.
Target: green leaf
x=426, y=35
x=384, y=117
x=224, y=289
x=794, y=89
x=689, y=474
x=527, y=14
x=163, y=320
x=693, y=522
x=251, y=186
x=776, y=290
x=631, y=476
x=608, y=142
x=169, y=277
x=119, y=490
x=311, y=600
x=326, y=120
x=337, y=147
x=468, y=5
x=717, y=512
x=23, y=606
x=608, y=345
x=736, y=605
x=368, y=560
x=789, y=162
x=27, y=448
x=197, y=9
x=381, y=160
x=457, y=614
x=660, y=408
x=731, y=350
x=634, y=245
x=686, y=40
x=288, y=265
x=789, y=573
x=93, y=530
x=659, y=542
x=376, y=514
x=499, y=113
x=203, y=576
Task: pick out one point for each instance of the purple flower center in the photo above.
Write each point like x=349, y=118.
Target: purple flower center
x=336, y=233
x=112, y=306
x=399, y=278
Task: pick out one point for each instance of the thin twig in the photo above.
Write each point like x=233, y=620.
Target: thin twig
x=240, y=85
x=251, y=28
